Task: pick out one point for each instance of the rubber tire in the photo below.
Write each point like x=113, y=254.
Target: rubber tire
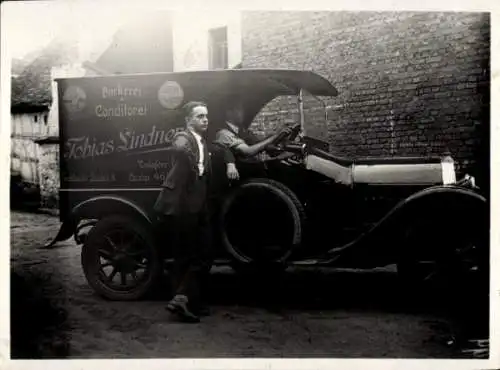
x=246, y=265
x=411, y=272
x=88, y=253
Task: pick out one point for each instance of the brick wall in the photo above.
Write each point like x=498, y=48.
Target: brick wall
x=410, y=83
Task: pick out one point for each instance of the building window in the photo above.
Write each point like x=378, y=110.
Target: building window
x=35, y=118
x=217, y=48
x=45, y=118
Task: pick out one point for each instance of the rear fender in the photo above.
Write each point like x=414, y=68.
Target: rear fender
x=96, y=208
x=100, y=206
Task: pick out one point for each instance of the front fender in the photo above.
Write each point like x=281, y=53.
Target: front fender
x=438, y=201
x=97, y=208
x=446, y=209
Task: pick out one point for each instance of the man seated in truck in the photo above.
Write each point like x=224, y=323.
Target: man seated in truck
x=239, y=140
x=225, y=155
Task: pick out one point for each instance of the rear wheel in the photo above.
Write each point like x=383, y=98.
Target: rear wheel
x=261, y=224
x=120, y=259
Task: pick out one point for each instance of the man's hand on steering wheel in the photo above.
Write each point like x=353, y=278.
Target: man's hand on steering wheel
x=288, y=133
x=295, y=130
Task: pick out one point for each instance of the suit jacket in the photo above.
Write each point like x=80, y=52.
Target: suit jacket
x=183, y=191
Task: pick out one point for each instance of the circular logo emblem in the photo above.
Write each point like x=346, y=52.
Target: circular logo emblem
x=74, y=99
x=170, y=95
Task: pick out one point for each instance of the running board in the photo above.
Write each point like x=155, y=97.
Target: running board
x=224, y=262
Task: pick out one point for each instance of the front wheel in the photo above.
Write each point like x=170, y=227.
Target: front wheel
x=461, y=258
x=261, y=224
x=120, y=258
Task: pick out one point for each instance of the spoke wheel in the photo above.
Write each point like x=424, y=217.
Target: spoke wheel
x=120, y=259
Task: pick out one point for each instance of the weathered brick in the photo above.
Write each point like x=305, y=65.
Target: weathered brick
x=423, y=71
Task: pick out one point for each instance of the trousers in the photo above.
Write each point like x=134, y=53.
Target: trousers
x=192, y=256
x=191, y=247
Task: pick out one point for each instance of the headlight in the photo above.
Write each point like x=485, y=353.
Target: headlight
x=448, y=166
x=468, y=181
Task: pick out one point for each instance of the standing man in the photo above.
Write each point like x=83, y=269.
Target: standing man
x=183, y=206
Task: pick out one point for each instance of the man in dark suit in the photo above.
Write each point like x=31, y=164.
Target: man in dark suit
x=183, y=206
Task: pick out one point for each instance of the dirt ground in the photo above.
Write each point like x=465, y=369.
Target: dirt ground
x=312, y=313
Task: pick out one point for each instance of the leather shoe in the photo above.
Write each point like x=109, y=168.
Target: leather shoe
x=181, y=310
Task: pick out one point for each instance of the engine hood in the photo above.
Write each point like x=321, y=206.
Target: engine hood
x=423, y=173
x=404, y=171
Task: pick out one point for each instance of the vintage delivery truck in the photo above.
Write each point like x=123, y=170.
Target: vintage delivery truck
x=300, y=204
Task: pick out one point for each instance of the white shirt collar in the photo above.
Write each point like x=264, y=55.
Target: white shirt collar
x=195, y=134
x=198, y=139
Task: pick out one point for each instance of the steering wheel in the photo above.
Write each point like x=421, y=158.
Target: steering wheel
x=276, y=152
x=295, y=131
x=290, y=137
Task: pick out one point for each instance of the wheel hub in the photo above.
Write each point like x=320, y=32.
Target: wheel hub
x=124, y=263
